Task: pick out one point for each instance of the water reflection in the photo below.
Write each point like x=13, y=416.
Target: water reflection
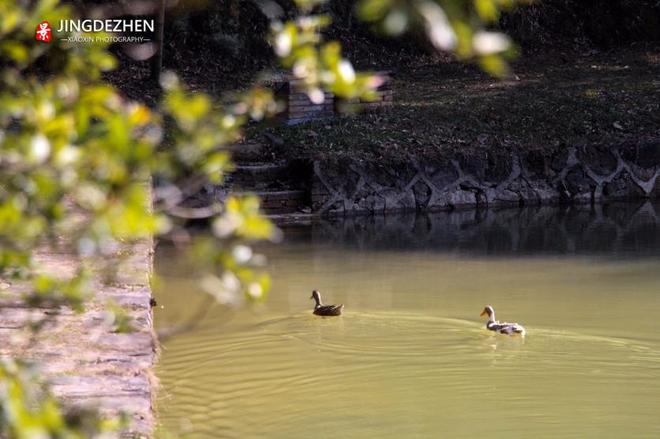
x=411, y=358
x=609, y=229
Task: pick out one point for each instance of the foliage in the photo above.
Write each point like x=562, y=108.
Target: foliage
x=76, y=160
x=235, y=32
x=29, y=411
x=457, y=26
x=584, y=22
x=466, y=28
x=318, y=66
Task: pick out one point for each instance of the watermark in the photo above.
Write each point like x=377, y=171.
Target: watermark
x=105, y=39
x=109, y=26
x=43, y=32
x=132, y=30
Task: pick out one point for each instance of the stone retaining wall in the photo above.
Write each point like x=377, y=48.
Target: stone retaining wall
x=573, y=175
x=86, y=363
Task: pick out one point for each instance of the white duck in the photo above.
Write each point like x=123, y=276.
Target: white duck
x=501, y=327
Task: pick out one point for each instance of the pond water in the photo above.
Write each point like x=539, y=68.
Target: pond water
x=410, y=358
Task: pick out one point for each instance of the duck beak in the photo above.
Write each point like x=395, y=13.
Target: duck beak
x=483, y=313
x=311, y=297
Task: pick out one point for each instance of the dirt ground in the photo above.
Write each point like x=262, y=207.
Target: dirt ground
x=443, y=107
x=553, y=101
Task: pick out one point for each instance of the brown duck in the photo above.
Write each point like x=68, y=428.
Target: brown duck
x=325, y=310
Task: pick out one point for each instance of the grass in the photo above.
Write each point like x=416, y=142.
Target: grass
x=441, y=110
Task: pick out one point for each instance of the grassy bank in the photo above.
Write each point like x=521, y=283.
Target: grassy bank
x=440, y=110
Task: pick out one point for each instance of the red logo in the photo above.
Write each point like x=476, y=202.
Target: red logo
x=43, y=32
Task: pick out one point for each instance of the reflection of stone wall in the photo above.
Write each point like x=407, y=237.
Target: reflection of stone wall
x=578, y=175
x=626, y=228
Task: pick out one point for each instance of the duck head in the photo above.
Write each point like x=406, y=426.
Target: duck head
x=489, y=311
x=316, y=296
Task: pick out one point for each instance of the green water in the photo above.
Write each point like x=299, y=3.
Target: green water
x=411, y=358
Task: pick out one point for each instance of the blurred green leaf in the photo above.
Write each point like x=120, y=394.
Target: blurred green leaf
x=456, y=26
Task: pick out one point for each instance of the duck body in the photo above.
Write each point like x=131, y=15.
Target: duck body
x=328, y=310
x=325, y=310
x=502, y=327
x=506, y=328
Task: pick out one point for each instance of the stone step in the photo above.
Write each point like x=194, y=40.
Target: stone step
x=258, y=176
x=280, y=202
x=259, y=167
x=272, y=186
